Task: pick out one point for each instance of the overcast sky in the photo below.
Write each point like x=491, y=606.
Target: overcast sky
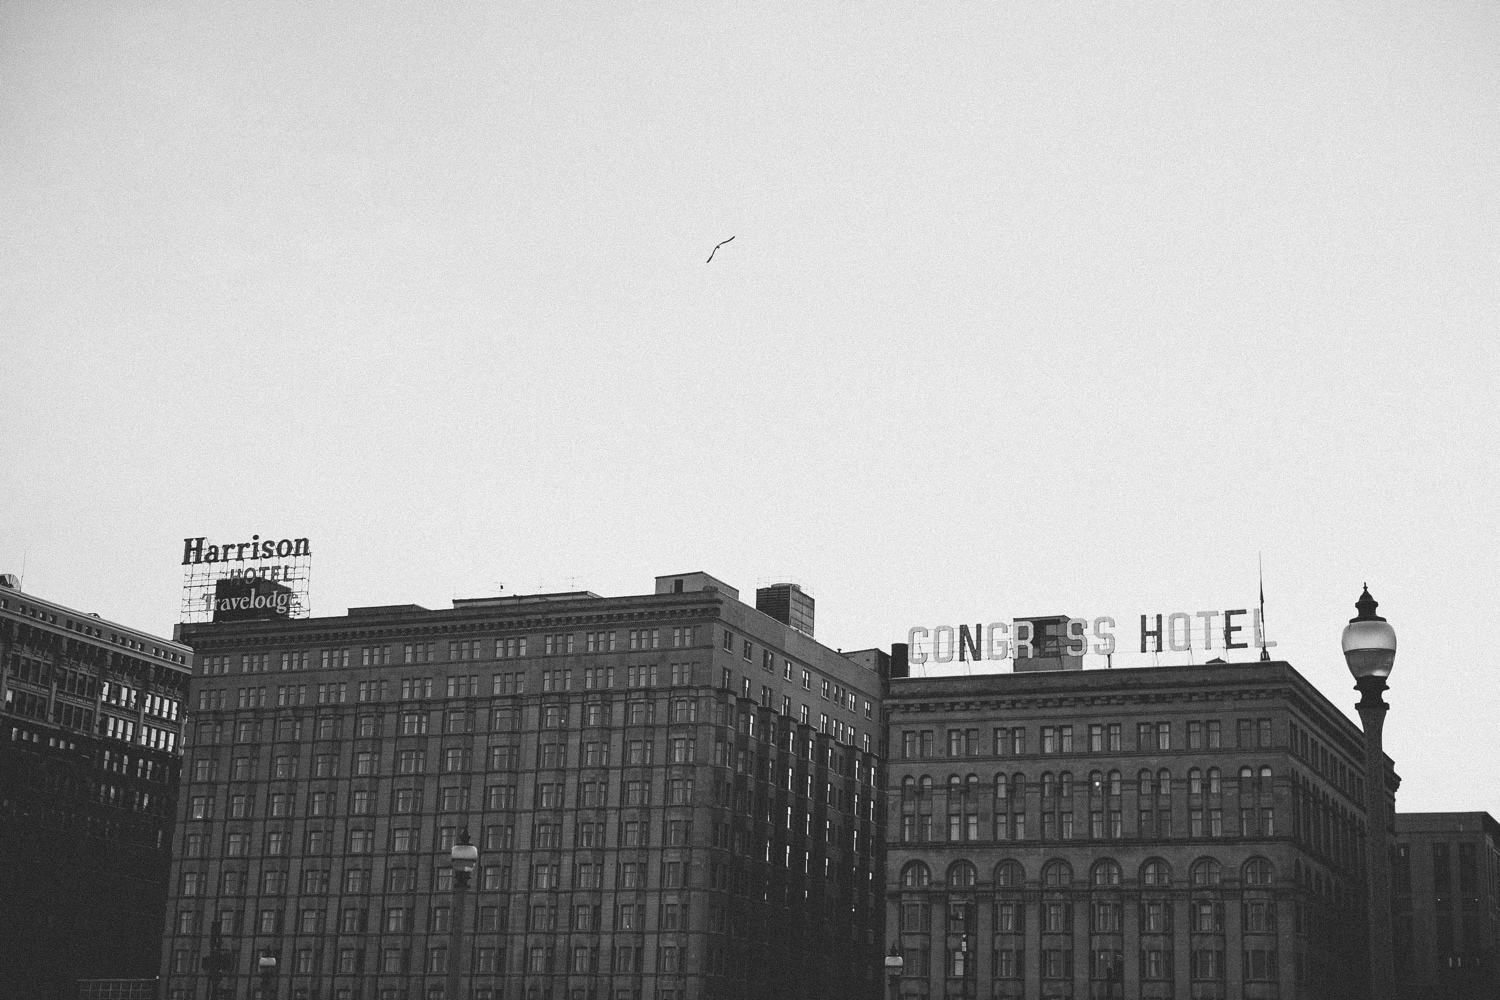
x=1030, y=309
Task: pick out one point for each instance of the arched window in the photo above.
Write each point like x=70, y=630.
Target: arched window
x=1056, y=874
x=926, y=787
x=1247, y=777
x=1096, y=784
x=971, y=787
x=1106, y=873
x=1048, y=788
x=915, y=876
x=955, y=787
x=1065, y=784
x=908, y=789
x=1018, y=785
x=1164, y=782
x=1258, y=871
x=1114, y=783
x=961, y=874
x=1195, y=781
x=1009, y=875
x=1214, y=786
x=1156, y=872
x=1143, y=783
x=1205, y=871
x=1265, y=781
x=1002, y=787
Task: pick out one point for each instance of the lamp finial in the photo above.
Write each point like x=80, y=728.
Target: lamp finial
x=1367, y=605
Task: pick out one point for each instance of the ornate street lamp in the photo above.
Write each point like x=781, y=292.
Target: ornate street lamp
x=894, y=964
x=1370, y=649
x=464, y=857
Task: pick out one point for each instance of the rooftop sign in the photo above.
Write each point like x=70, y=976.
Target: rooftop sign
x=1178, y=631
x=286, y=562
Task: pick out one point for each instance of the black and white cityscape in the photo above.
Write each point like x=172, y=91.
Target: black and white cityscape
x=708, y=502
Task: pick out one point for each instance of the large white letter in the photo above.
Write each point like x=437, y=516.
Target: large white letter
x=998, y=648
x=1106, y=644
x=1175, y=643
x=1023, y=638
x=937, y=644
x=1078, y=642
x=914, y=651
x=1208, y=627
x=1260, y=632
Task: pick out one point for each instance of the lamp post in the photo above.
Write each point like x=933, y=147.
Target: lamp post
x=266, y=965
x=218, y=961
x=1370, y=649
x=464, y=857
x=894, y=963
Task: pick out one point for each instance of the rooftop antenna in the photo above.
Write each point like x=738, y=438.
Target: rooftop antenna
x=23, y=571
x=1261, y=572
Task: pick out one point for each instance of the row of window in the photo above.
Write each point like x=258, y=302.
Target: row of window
x=459, y=650
x=1105, y=964
x=544, y=916
x=1057, y=825
x=491, y=878
x=1146, y=784
x=1105, y=873
x=486, y=959
x=1104, y=916
x=1011, y=741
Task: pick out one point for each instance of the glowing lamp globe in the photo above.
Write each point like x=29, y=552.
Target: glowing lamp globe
x=464, y=855
x=1369, y=641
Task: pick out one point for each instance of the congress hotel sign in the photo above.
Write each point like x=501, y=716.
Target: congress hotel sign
x=1235, y=629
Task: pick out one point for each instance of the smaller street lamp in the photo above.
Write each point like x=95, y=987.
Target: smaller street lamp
x=266, y=966
x=894, y=965
x=464, y=858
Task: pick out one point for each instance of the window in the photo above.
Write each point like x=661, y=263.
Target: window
x=1258, y=871
x=413, y=723
x=1260, y=964
x=916, y=875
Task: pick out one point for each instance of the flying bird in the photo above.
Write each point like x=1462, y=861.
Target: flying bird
x=715, y=250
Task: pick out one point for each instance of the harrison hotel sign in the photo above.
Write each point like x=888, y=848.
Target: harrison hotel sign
x=252, y=555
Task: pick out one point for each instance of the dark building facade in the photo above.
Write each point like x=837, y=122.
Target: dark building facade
x=90, y=715
x=1446, y=891
x=673, y=796
x=1184, y=832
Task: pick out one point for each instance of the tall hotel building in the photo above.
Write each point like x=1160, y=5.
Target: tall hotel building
x=1184, y=832
x=90, y=716
x=674, y=796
